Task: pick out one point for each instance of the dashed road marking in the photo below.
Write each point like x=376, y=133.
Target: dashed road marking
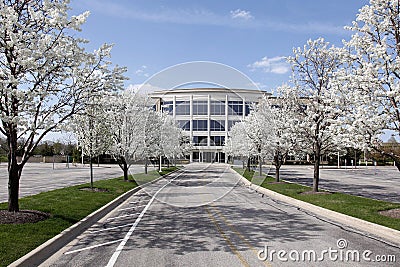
x=121, y=246
x=94, y=246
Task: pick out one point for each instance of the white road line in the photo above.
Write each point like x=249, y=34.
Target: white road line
x=95, y=246
x=111, y=228
x=115, y=256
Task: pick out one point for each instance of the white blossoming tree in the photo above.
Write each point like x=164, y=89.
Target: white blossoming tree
x=45, y=76
x=127, y=115
x=372, y=76
x=239, y=144
x=282, y=126
x=93, y=130
x=173, y=143
x=258, y=128
x=152, y=136
x=316, y=100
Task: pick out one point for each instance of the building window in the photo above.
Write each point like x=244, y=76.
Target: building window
x=200, y=125
x=200, y=140
x=217, y=108
x=231, y=123
x=167, y=106
x=218, y=125
x=182, y=108
x=235, y=107
x=200, y=107
x=217, y=140
x=248, y=107
x=184, y=124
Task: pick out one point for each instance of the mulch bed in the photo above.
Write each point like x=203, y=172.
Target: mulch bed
x=94, y=189
x=394, y=213
x=23, y=216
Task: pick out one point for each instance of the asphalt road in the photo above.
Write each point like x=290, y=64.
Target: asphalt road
x=381, y=183
x=41, y=177
x=203, y=217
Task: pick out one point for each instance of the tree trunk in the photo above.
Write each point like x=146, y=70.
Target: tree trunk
x=91, y=173
x=277, y=173
x=277, y=163
x=145, y=165
x=317, y=154
x=248, y=163
x=14, y=175
x=14, y=171
x=260, y=165
x=125, y=169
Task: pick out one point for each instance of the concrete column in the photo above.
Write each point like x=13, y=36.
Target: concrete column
x=191, y=125
x=208, y=119
x=244, y=108
x=174, y=107
x=226, y=121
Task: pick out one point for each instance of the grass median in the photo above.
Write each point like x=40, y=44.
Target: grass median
x=363, y=208
x=67, y=206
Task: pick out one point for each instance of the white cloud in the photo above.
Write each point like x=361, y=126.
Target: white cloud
x=241, y=14
x=142, y=72
x=202, y=16
x=277, y=65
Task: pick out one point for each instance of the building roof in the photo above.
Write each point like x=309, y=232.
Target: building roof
x=190, y=91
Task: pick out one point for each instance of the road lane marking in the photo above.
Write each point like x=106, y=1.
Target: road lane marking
x=110, y=228
x=228, y=241
x=95, y=246
x=121, y=246
x=240, y=235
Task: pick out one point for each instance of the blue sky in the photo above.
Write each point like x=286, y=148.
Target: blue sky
x=252, y=36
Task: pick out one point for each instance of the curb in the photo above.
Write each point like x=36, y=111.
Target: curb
x=377, y=230
x=51, y=246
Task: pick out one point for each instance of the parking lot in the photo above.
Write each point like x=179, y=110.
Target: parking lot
x=40, y=177
x=382, y=182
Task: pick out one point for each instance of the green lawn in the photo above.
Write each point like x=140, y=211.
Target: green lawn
x=67, y=206
x=359, y=207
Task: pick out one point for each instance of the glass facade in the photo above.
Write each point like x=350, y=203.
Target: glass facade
x=206, y=117
x=167, y=106
x=200, y=107
x=217, y=108
x=182, y=108
x=217, y=125
x=235, y=108
x=184, y=124
x=200, y=140
x=248, y=108
x=217, y=140
x=200, y=125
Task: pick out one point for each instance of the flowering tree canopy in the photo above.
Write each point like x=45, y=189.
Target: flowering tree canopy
x=316, y=99
x=373, y=74
x=45, y=75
